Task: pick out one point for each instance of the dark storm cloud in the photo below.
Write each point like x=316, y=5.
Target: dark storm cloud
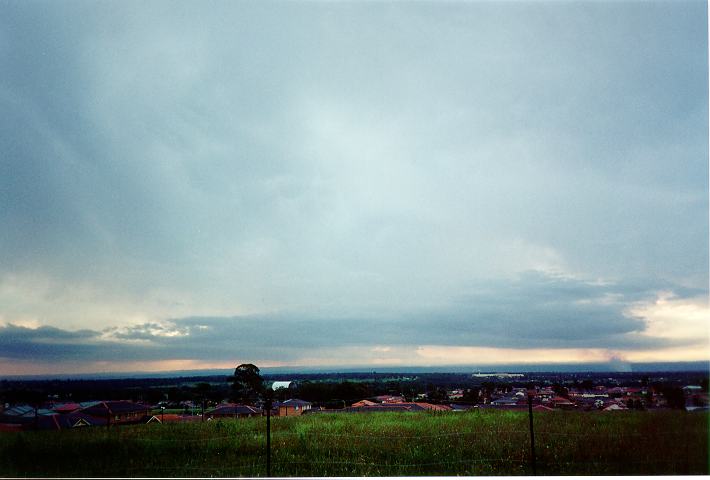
x=46, y=343
x=539, y=311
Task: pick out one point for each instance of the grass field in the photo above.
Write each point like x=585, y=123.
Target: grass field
x=378, y=444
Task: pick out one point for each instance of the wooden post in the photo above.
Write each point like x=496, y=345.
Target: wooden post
x=532, y=434
x=268, y=436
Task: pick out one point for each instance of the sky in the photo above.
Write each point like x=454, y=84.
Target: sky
x=189, y=185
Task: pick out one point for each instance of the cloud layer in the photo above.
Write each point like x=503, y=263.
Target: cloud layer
x=539, y=312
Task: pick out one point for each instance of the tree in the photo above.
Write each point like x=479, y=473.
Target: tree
x=560, y=391
x=674, y=397
x=471, y=395
x=247, y=384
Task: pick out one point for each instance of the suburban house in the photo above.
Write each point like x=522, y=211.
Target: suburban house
x=64, y=408
x=172, y=418
x=25, y=411
x=233, y=410
x=455, y=394
x=69, y=420
x=51, y=421
x=561, y=402
x=292, y=407
x=118, y=412
x=389, y=399
x=509, y=400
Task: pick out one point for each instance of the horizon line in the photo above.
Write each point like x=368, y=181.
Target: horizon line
x=581, y=367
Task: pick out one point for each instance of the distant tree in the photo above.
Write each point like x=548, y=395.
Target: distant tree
x=487, y=391
x=560, y=390
x=351, y=391
x=435, y=394
x=674, y=397
x=282, y=394
x=202, y=389
x=471, y=395
x=247, y=384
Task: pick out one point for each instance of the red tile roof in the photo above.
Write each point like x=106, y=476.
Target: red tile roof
x=66, y=407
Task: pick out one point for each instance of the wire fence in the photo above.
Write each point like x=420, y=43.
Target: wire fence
x=387, y=445
x=315, y=453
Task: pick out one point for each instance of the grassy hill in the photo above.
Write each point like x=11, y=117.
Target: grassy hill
x=380, y=444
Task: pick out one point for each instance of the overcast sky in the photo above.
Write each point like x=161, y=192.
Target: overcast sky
x=201, y=184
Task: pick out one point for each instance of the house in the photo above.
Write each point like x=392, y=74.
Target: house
x=232, y=410
x=292, y=407
x=64, y=408
x=172, y=418
x=455, y=394
x=509, y=400
x=616, y=392
x=117, y=411
x=545, y=394
x=25, y=411
x=56, y=421
x=696, y=399
x=561, y=402
x=70, y=420
x=634, y=391
x=364, y=403
x=27, y=416
x=389, y=399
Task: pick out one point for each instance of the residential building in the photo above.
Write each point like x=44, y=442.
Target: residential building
x=118, y=412
x=292, y=407
x=232, y=410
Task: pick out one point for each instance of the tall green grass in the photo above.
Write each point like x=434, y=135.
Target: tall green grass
x=377, y=444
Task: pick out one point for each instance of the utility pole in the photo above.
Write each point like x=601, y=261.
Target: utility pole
x=532, y=432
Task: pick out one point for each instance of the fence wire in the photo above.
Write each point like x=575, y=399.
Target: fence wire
x=517, y=446
x=491, y=451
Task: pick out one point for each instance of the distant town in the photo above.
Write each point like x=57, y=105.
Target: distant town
x=66, y=404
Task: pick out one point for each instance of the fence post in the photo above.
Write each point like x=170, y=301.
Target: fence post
x=532, y=434
x=268, y=435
